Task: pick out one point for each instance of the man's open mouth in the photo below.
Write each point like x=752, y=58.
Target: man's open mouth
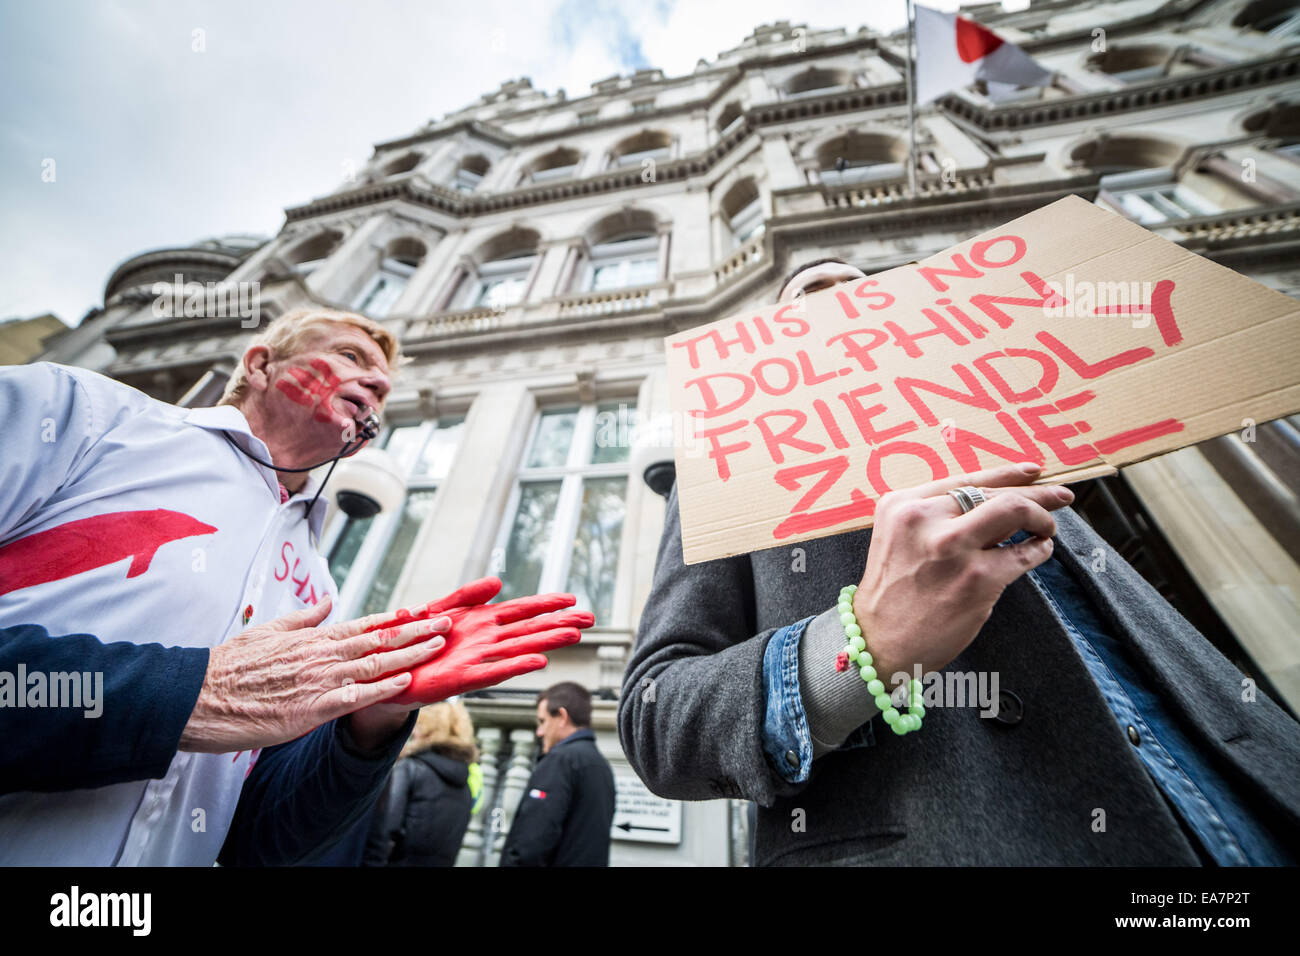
x=354, y=408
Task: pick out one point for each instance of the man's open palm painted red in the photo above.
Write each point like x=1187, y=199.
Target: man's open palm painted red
x=489, y=643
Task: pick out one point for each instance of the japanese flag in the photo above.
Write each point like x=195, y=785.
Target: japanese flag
x=953, y=52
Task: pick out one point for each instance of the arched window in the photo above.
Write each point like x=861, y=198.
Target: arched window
x=310, y=254
x=623, y=252
x=1277, y=18
x=730, y=118
x=470, y=173
x=742, y=208
x=653, y=145
x=1141, y=62
x=1132, y=64
x=559, y=163
x=503, y=267
x=860, y=157
x=1137, y=178
x=815, y=80
x=401, y=258
x=1281, y=121
x=1125, y=153
x=402, y=164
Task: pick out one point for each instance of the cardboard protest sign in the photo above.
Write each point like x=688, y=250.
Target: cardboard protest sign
x=1071, y=337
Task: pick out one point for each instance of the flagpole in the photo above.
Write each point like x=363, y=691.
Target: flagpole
x=911, y=105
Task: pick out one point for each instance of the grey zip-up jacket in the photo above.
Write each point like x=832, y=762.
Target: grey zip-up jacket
x=966, y=789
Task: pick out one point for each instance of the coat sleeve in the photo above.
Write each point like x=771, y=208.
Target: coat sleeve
x=302, y=796
x=539, y=821
x=390, y=815
x=691, y=713
x=128, y=725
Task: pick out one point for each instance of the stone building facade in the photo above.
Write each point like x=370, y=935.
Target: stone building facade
x=531, y=251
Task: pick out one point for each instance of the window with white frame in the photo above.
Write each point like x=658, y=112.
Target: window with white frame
x=366, y=555
x=747, y=223
x=814, y=81
x=1143, y=62
x=742, y=209
x=1284, y=22
x=1140, y=74
x=310, y=255
x=656, y=153
x=647, y=146
x=730, y=117
x=1277, y=18
x=859, y=157
x=500, y=283
x=623, y=263
x=565, y=525
x=384, y=288
x=470, y=172
x=557, y=164
x=860, y=171
x=467, y=180
x=1152, y=204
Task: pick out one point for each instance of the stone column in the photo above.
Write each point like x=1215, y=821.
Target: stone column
x=554, y=256
x=644, y=523
x=456, y=542
x=665, y=250
x=513, y=787
x=480, y=824
x=420, y=287
x=351, y=262
x=780, y=164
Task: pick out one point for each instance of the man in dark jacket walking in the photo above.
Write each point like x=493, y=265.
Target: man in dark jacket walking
x=564, y=819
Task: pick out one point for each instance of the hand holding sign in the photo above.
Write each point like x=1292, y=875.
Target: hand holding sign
x=933, y=574
x=489, y=643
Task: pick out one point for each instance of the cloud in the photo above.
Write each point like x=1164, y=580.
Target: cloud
x=157, y=142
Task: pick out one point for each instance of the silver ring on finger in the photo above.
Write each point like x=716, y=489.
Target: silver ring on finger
x=968, y=497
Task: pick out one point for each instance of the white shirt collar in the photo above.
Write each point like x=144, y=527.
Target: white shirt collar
x=231, y=421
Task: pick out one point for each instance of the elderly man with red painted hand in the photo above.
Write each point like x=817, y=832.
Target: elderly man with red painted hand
x=174, y=684
x=1081, y=719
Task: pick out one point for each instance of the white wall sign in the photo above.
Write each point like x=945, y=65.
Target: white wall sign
x=642, y=817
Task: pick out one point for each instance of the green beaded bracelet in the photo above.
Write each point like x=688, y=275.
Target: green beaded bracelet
x=856, y=653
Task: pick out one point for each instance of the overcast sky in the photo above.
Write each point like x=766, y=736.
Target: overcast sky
x=160, y=135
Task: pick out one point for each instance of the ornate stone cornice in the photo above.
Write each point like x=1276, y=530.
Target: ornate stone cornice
x=983, y=119
x=1088, y=106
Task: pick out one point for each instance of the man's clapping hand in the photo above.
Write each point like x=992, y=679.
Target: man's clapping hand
x=279, y=680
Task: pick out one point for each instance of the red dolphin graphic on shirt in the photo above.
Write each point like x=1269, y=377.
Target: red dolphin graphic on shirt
x=89, y=543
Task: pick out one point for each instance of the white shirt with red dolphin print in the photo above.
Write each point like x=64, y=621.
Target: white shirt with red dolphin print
x=134, y=520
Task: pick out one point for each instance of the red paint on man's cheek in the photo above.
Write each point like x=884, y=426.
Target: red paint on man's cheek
x=312, y=391
x=326, y=373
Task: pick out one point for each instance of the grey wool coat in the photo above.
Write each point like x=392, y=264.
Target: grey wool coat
x=966, y=789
